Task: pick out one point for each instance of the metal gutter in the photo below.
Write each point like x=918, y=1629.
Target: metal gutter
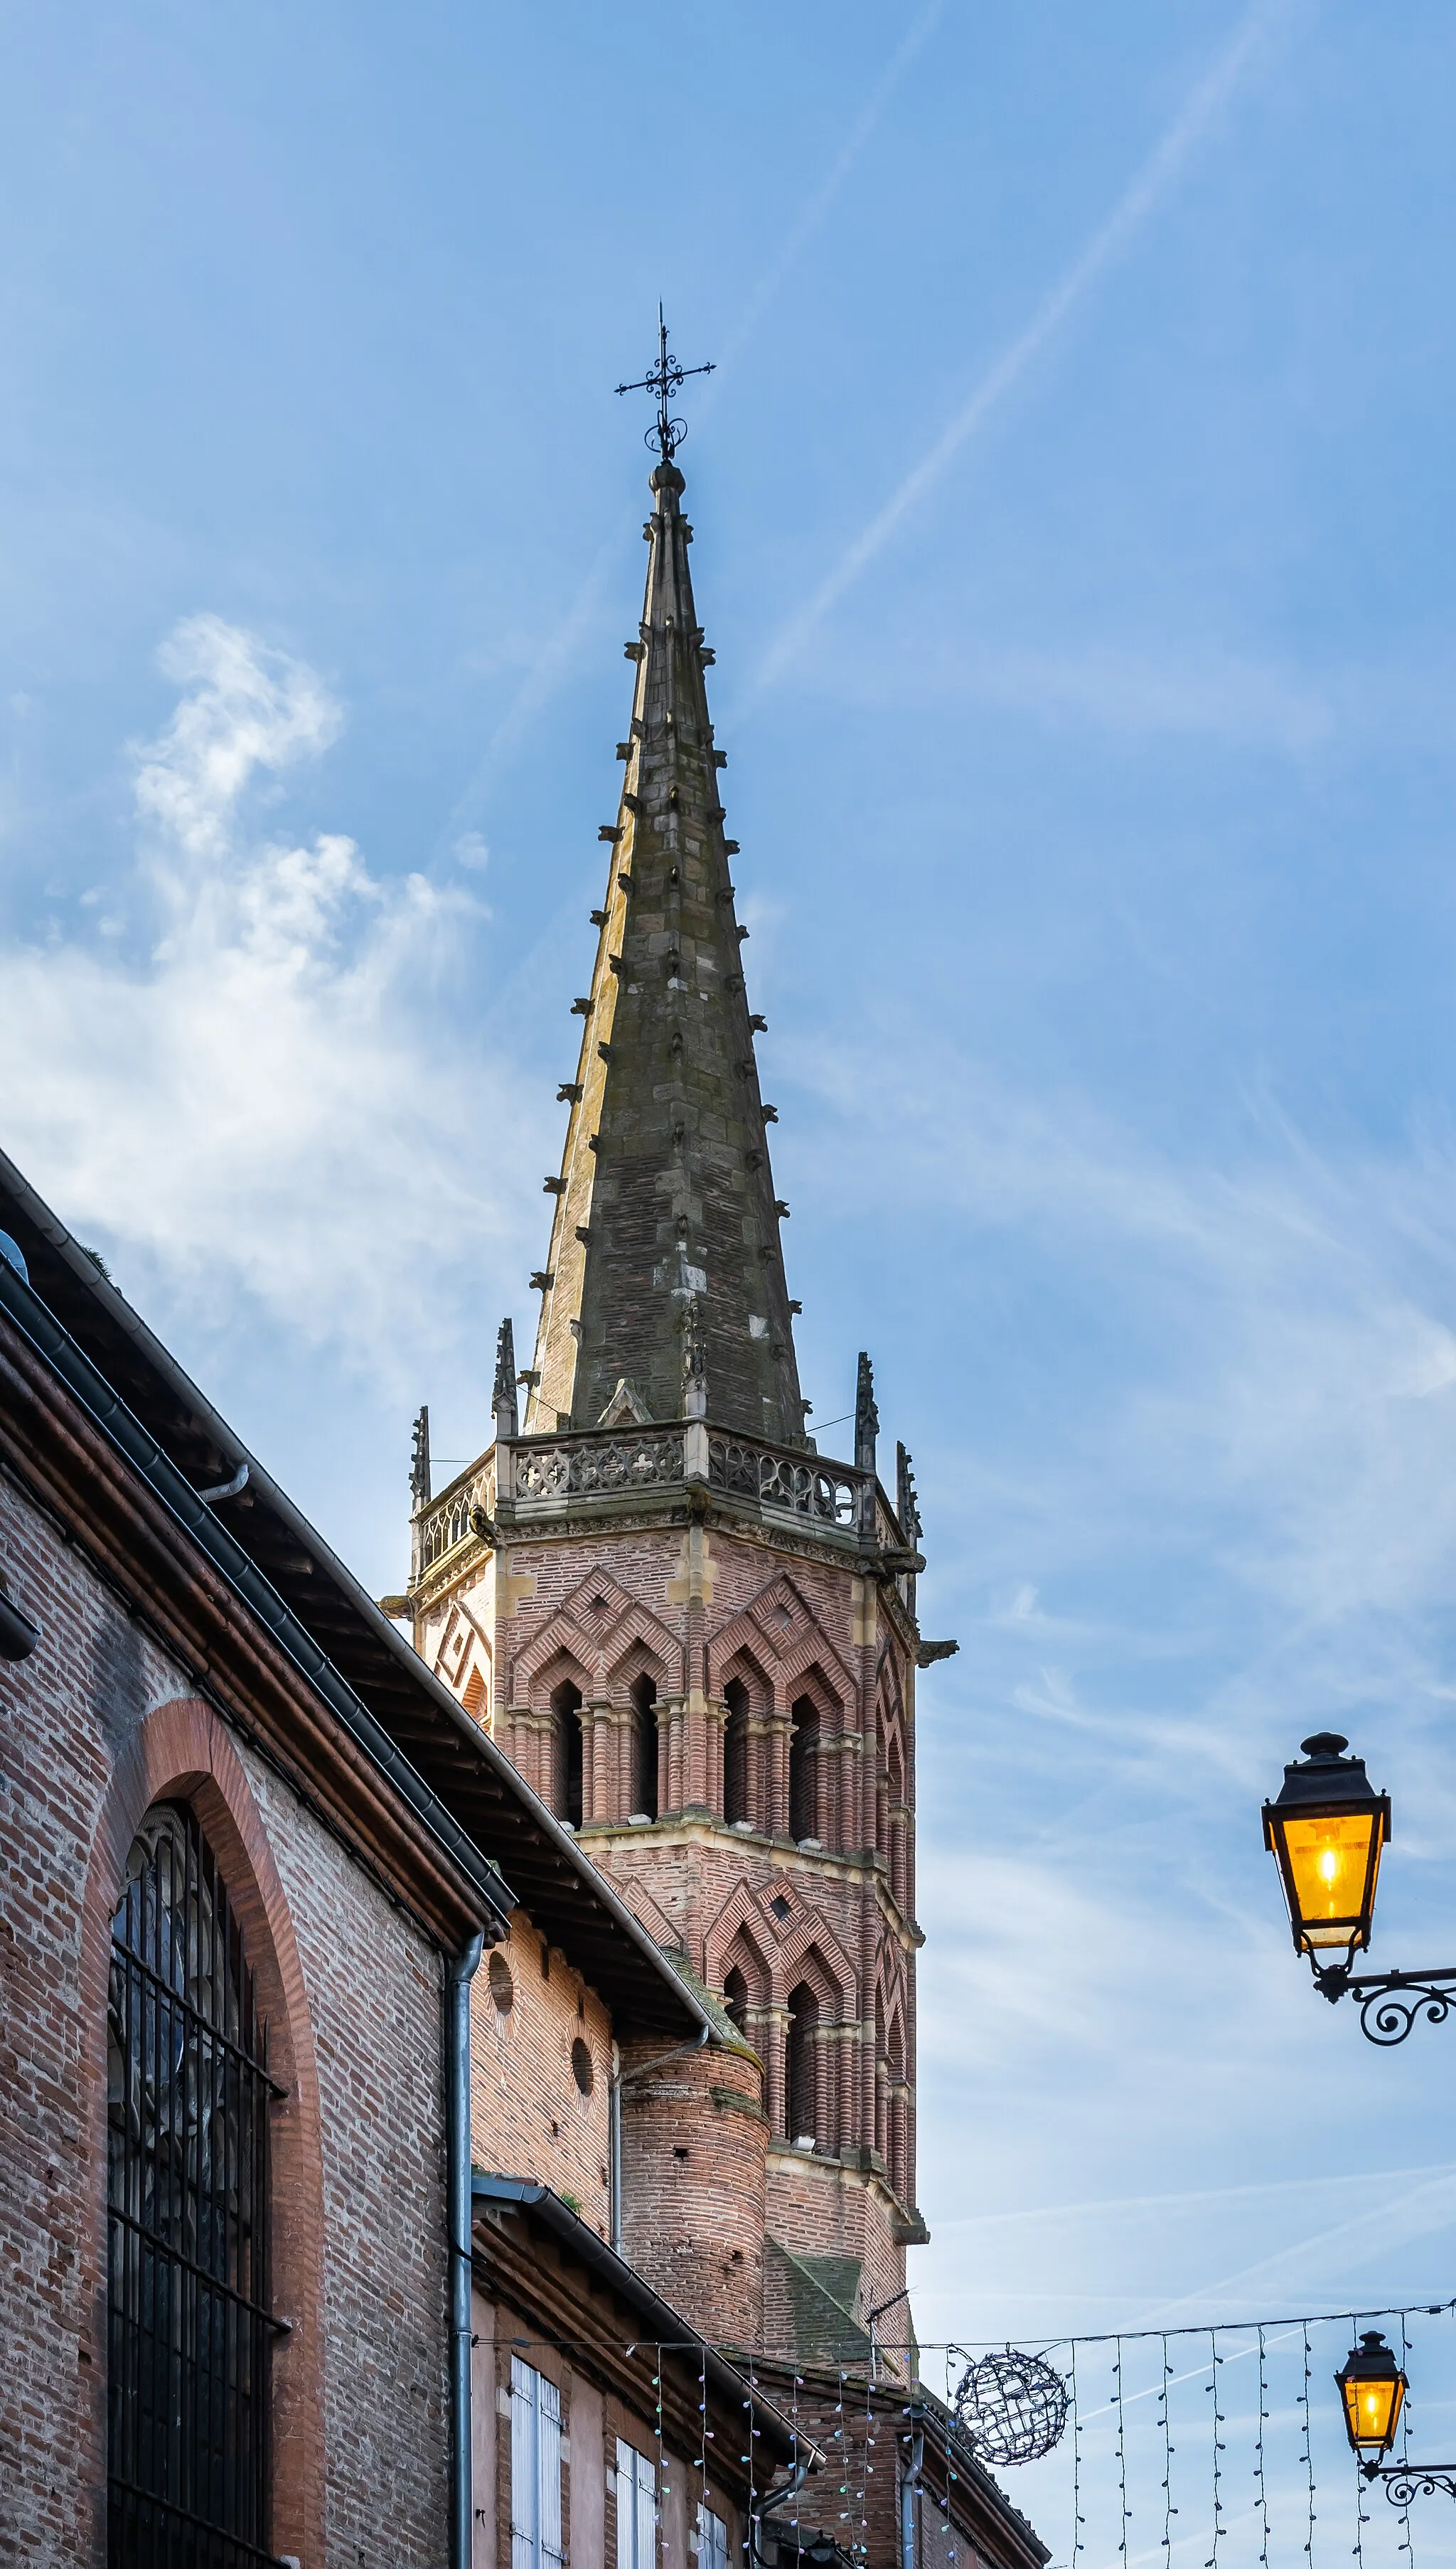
x=126, y=1435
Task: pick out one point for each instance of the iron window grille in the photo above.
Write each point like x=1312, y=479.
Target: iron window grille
x=191, y=2326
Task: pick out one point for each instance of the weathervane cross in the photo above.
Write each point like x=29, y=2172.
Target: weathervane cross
x=664, y=379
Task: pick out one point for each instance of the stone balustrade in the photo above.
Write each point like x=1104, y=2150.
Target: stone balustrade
x=543, y=1473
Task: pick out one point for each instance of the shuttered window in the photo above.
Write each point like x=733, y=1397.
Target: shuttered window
x=536, y=2469
x=636, y=2509
x=712, y=2539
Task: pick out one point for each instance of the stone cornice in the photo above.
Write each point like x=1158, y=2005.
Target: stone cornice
x=700, y=1829
x=907, y=2222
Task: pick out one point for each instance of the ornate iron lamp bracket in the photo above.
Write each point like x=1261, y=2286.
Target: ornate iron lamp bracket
x=1407, y=2481
x=1389, y=2002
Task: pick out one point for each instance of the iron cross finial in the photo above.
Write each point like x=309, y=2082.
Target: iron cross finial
x=664, y=379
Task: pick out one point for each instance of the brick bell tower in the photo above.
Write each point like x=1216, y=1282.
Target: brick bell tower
x=693, y=1634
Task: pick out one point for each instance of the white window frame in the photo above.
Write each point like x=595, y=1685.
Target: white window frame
x=636, y=2508
x=712, y=2537
x=536, y=2469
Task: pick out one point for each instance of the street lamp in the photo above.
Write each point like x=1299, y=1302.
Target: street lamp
x=1372, y=2390
x=1325, y=1833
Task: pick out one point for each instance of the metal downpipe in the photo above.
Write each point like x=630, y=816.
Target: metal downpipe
x=459, y=1972
x=909, y=2486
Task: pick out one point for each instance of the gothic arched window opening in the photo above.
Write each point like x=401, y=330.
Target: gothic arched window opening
x=735, y=1753
x=190, y=2325
x=644, y=1746
x=735, y=2001
x=567, y=1708
x=804, y=1770
x=801, y=2066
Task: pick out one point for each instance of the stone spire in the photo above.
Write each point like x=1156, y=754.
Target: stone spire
x=666, y=1262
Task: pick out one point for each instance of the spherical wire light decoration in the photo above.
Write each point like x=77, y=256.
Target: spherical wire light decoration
x=1013, y=2407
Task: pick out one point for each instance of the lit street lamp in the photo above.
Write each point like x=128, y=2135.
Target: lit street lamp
x=1325, y=1833
x=1372, y=2390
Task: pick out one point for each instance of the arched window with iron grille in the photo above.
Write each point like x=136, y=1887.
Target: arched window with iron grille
x=190, y=2328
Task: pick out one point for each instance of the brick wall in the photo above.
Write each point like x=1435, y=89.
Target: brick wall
x=694, y=2140
x=705, y=1612
x=530, y=2116
x=97, y=1724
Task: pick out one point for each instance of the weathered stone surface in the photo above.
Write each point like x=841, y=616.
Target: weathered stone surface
x=667, y=1196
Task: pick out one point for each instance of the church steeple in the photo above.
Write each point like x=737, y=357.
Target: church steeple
x=665, y=1265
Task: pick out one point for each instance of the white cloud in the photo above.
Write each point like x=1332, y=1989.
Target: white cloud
x=254, y=1096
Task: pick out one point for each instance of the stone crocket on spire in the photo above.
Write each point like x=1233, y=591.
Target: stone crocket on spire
x=666, y=1223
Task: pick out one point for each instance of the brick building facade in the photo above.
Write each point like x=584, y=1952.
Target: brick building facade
x=249, y=1854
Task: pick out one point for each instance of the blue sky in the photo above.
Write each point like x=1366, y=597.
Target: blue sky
x=1072, y=507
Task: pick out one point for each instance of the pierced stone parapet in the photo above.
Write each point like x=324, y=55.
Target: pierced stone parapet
x=825, y=1493
x=588, y=1463
x=446, y=1524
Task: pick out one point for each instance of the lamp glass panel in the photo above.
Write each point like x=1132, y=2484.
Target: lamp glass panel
x=1372, y=2411
x=1332, y=1856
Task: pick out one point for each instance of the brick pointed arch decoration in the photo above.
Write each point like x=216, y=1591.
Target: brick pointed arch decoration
x=742, y=1954
x=814, y=1666
x=739, y=1915
x=647, y=1912
x=785, y=1649
x=747, y=1664
x=810, y=1946
x=561, y=1650
x=182, y=1752
x=599, y=1638
x=637, y=1657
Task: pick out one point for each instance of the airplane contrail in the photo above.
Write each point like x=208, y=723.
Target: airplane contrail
x=539, y=683
x=915, y=38
x=1159, y=173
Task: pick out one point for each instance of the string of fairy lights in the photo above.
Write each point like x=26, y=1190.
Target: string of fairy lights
x=1208, y=2446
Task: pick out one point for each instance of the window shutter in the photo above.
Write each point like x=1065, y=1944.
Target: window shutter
x=525, y=2515
x=536, y=2469
x=627, y=2517
x=646, y=2513
x=636, y=2509
x=712, y=2539
x=549, y=2474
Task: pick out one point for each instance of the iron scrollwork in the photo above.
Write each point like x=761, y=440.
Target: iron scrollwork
x=1390, y=2002
x=1407, y=2481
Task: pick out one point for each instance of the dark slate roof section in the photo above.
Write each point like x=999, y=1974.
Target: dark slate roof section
x=661, y=2325
x=665, y=1206
x=332, y=1618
